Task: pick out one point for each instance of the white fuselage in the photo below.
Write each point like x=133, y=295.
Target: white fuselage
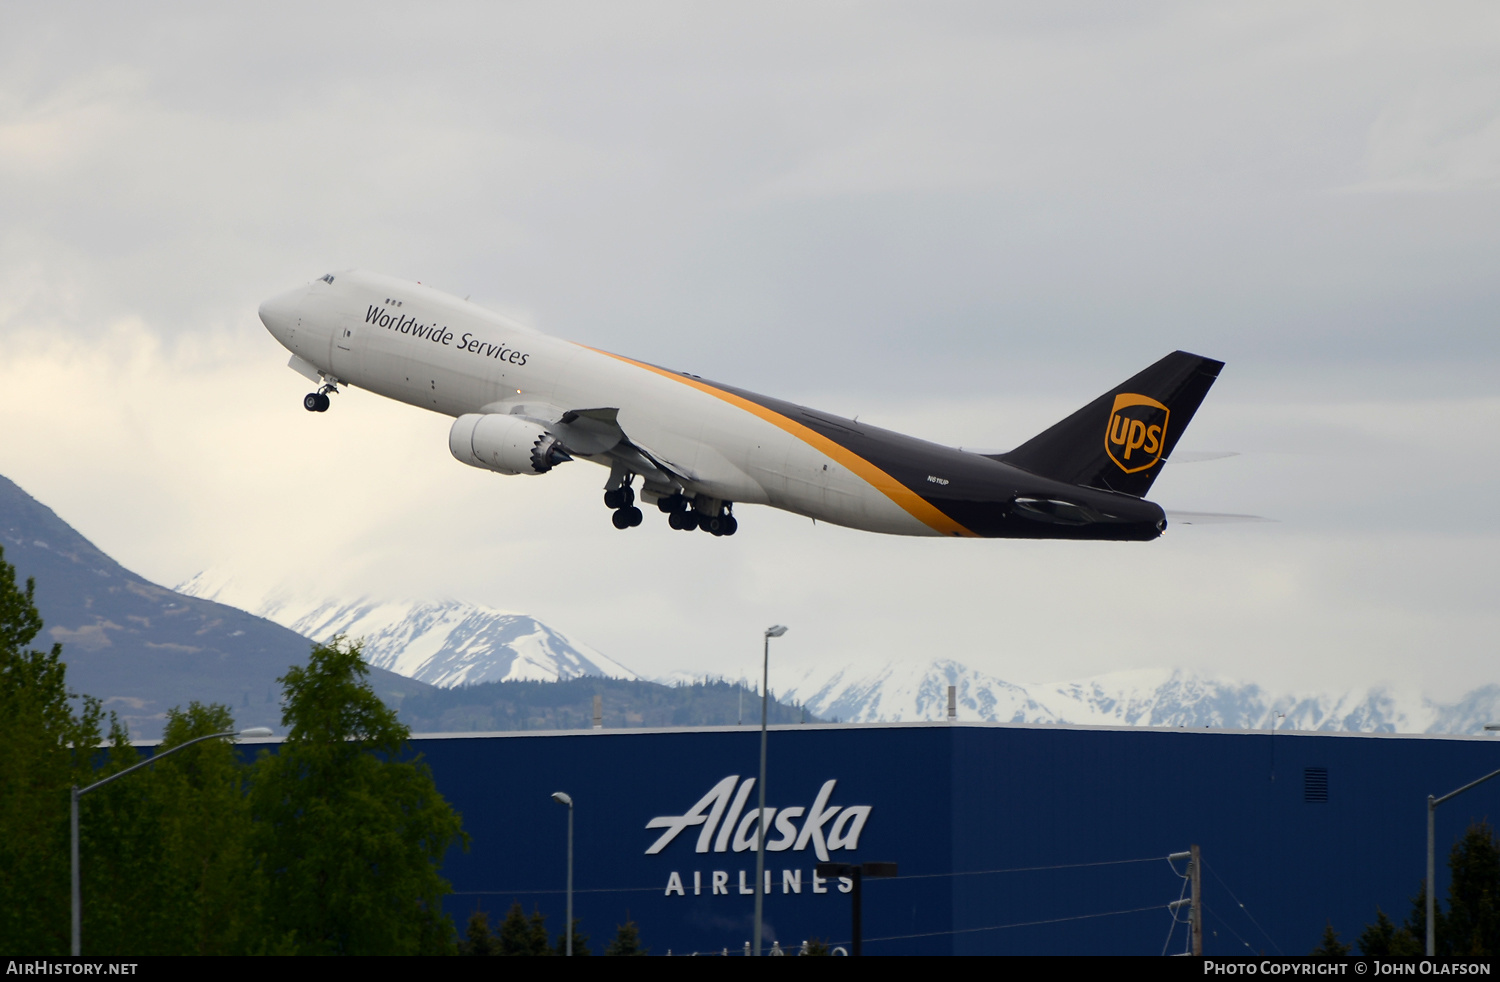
x=417, y=345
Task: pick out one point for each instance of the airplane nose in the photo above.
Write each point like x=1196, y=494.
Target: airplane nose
x=279, y=314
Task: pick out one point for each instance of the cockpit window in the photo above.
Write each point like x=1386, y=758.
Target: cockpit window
x=327, y=279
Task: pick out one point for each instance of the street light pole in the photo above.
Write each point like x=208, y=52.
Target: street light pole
x=76, y=891
x=566, y=799
x=774, y=631
x=1431, y=875
x=1432, y=804
x=77, y=792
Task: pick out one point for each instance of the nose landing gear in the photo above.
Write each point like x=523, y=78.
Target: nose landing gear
x=317, y=402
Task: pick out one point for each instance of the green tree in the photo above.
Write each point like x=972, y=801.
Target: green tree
x=1379, y=940
x=522, y=935
x=209, y=863
x=169, y=866
x=164, y=866
x=45, y=746
x=1384, y=939
x=1472, y=926
x=627, y=940
x=580, y=942
x=515, y=933
x=1331, y=947
x=351, y=837
x=477, y=939
x=538, y=933
x=1411, y=940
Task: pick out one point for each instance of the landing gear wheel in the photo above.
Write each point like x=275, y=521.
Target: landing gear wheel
x=622, y=497
x=683, y=521
x=671, y=503
x=621, y=518
x=632, y=514
x=323, y=402
x=712, y=524
x=731, y=526
x=310, y=402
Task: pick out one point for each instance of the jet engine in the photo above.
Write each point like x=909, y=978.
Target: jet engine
x=506, y=444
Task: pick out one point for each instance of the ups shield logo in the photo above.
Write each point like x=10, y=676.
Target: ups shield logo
x=1136, y=433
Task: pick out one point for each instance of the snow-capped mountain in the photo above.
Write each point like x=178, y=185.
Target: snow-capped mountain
x=1152, y=697
x=448, y=643
x=444, y=642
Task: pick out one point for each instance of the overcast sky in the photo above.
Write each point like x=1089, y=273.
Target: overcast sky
x=961, y=221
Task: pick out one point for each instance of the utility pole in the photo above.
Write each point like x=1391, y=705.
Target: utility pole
x=1195, y=870
x=1194, y=904
x=857, y=942
x=856, y=872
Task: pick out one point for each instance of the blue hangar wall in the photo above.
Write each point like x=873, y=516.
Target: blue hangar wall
x=1008, y=838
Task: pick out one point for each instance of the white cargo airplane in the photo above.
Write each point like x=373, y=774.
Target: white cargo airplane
x=526, y=402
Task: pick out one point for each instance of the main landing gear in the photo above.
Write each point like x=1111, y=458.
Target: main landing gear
x=622, y=501
x=684, y=515
x=317, y=402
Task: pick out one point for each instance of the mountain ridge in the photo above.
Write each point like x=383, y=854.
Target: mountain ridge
x=899, y=691
x=141, y=648
x=895, y=691
x=445, y=643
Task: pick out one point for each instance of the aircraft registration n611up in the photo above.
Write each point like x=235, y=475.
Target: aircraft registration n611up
x=525, y=403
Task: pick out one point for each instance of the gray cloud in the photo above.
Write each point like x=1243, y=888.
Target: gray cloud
x=959, y=220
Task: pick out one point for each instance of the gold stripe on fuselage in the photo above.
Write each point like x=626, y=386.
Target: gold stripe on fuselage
x=913, y=503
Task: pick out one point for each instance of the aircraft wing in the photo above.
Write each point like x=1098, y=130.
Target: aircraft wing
x=597, y=432
x=698, y=465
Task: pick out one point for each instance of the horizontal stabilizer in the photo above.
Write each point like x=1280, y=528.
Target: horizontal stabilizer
x=1211, y=518
x=1199, y=456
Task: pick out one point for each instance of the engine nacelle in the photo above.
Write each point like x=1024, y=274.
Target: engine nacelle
x=507, y=444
